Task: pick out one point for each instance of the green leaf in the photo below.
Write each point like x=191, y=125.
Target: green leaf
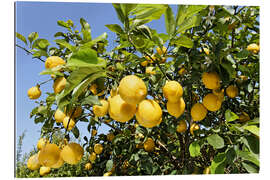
x=119, y=12
x=86, y=30
x=76, y=132
x=84, y=57
x=218, y=164
x=60, y=34
x=169, y=22
x=252, y=143
x=248, y=156
x=126, y=8
x=184, y=12
x=39, y=119
x=242, y=54
x=32, y=36
x=64, y=24
x=189, y=23
x=89, y=44
x=230, y=116
x=39, y=53
x=183, y=41
x=253, y=129
x=216, y=141
x=91, y=100
x=250, y=167
x=21, y=37
x=55, y=71
x=149, y=11
x=194, y=149
x=65, y=44
x=109, y=165
x=115, y=28
x=41, y=44
x=77, y=91
x=229, y=69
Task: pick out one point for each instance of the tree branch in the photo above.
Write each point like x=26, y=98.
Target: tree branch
x=29, y=52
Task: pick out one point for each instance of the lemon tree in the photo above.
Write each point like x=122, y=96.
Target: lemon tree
x=181, y=102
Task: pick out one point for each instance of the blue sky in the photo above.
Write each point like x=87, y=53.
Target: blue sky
x=42, y=17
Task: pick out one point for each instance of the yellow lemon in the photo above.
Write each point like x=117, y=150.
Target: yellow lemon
x=253, y=48
x=49, y=155
x=59, y=163
x=212, y=102
x=88, y=166
x=161, y=51
x=54, y=61
x=172, y=91
x=206, y=50
x=59, y=116
x=232, y=91
x=72, y=153
x=207, y=170
x=149, y=70
x=182, y=126
x=144, y=63
x=93, y=89
x=198, y=112
x=102, y=110
x=108, y=173
x=182, y=71
x=34, y=92
x=59, y=84
x=194, y=127
x=244, y=117
x=68, y=123
x=132, y=89
x=219, y=93
x=98, y=148
x=33, y=163
x=119, y=110
x=44, y=170
x=149, y=145
x=92, y=157
x=110, y=137
x=149, y=113
x=211, y=80
x=113, y=92
x=41, y=143
x=176, y=109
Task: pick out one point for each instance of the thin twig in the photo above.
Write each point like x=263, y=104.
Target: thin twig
x=29, y=52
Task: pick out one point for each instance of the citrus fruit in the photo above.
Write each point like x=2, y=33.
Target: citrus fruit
x=72, y=153
x=44, y=170
x=176, y=109
x=88, y=166
x=244, y=117
x=149, y=145
x=110, y=137
x=34, y=92
x=161, y=51
x=93, y=89
x=194, y=127
x=68, y=123
x=219, y=93
x=149, y=70
x=182, y=71
x=102, y=110
x=98, y=148
x=92, y=157
x=33, y=163
x=182, y=126
x=198, y=112
x=149, y=113
x=59, y=84
x=108, y=173
x=132, y=89
x=41, y=143
x=172, y=91
x=211, y=80
x=59, y=163
x=232, y=91
x=113, y=92
x=119, y=110
x=49, y=155
x=54, y=61
x=59, y=116
x=254, y=48
x=212, y=102
x=144, y=63
x=206, y=50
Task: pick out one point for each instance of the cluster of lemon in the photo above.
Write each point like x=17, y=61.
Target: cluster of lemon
x=53, y=156
x=254, y=48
